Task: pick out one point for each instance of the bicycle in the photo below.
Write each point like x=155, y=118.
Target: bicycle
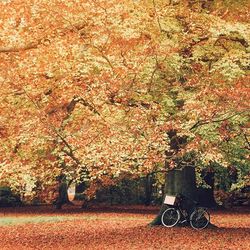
x=198, y=219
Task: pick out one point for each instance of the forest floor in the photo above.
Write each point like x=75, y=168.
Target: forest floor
x=116, y=227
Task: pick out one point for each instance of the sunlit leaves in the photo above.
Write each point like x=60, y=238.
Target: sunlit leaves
x=93, y=87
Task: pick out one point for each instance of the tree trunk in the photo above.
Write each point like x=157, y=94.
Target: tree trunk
x=79, y=189
x=79, y=193
x=63, y=197
x=178, y=181
x=148, y=189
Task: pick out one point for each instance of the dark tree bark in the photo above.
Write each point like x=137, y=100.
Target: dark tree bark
x=182, y=180
x=178, y=181
x=79, y=189
x=63, y=195
x=148, y=189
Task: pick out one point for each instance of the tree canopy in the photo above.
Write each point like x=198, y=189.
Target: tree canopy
x=92, y=89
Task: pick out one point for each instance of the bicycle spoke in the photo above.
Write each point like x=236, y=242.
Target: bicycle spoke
x=170, y=217
x=199, y=219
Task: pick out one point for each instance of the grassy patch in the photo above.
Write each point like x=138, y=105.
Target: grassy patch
x=10, y=220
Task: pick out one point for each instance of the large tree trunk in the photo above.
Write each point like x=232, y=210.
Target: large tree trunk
x=178, y=181
x=182, y=180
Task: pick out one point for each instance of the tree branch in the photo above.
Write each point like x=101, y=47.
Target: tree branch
x=29, y=46
x=204, y=122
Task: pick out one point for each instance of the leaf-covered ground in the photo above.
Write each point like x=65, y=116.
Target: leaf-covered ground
x=116, y=228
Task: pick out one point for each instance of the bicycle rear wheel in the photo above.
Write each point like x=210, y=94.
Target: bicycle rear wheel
x=200, y=218
x=170, y=217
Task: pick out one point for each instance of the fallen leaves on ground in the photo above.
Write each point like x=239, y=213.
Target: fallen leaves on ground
x=116, y=228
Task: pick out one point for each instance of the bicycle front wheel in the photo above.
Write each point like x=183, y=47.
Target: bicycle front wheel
x=170, y=217
x=200, y=218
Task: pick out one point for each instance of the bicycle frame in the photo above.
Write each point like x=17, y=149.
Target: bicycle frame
x=185, y=216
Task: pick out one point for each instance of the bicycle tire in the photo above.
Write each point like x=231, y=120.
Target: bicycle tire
x=200, y=218
x=170, y=217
